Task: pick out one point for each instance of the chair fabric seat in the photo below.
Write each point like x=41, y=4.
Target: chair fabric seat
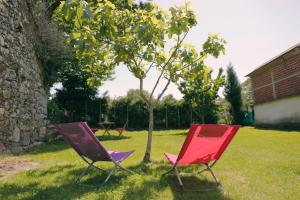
x=119, y=129
x=171, y=157
x=119, y=156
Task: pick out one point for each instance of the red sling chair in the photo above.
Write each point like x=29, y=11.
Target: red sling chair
x=204, y=144
x=120, y=130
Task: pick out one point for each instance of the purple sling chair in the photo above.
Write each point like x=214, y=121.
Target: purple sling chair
x=85, y=143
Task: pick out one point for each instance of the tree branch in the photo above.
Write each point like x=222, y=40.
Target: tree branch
x=163, y=91
x=157, y=82
x=179, y=42
x=151, y=65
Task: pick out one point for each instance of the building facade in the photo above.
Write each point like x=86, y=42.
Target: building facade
x=276, y=90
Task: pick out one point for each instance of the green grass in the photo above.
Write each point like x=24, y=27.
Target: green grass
x=258, y=164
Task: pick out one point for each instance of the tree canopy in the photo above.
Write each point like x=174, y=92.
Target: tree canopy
x=142, y=36
x=201, y=90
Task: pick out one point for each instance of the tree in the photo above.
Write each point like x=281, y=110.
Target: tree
x=201, y=91
x=141, y=36
x=247, y=94
x=232, y=94
x=168, y=104
x=75, y=96
x=142, y=47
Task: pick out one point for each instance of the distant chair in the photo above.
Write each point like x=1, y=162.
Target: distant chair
x=121, y=130
x=204, y=144
x=85, y=143
x=94, y=130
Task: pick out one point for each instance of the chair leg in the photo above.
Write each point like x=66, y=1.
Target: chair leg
x=85, y=160
x=99, y=168
x=83, y=172
x=109, y=174
x=178, y=176
x=203, y=170
x=168, y=171
x=213, y=174
x=125, y=169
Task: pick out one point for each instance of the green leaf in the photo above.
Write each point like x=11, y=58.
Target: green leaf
x=75, y=35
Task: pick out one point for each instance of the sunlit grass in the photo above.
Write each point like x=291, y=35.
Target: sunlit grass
x=258, y=164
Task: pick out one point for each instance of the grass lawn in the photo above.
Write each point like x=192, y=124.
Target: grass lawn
x=258, y=164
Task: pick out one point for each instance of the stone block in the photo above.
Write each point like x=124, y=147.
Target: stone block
x=43, y=132
x=25, y=139
x=6, y=94
x=10, y=75
x=16, y=135
x=1, y=41
x=16, y=149
x=2, y=111
x=2, y=147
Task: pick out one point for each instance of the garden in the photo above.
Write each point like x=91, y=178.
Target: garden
x=183, y=130
x=258, y=164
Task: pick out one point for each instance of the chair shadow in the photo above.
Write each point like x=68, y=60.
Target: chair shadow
x=195, y=188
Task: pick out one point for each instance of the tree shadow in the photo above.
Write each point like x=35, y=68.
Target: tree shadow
x=173, y=134
x=180, y=134
x=53, y=146
x=282, y=128
x=59, y=145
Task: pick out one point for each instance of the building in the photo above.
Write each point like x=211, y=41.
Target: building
x=276, y=90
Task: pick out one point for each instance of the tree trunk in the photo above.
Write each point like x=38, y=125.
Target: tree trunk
x=149, y=141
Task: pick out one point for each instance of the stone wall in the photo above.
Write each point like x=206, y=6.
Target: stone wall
x=23, y=100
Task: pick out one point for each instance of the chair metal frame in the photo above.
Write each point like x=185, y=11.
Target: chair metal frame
x=91, y=164
x=208, y=168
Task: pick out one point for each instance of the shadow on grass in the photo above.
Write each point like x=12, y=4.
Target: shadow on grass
x=173, y=134
x=180, y=134
x=283, y=128
x=53, y=146
x=112, y=137
x=60, y=145
x=57, y=182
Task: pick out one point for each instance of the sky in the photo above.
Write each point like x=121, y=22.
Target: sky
x=255, y=31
